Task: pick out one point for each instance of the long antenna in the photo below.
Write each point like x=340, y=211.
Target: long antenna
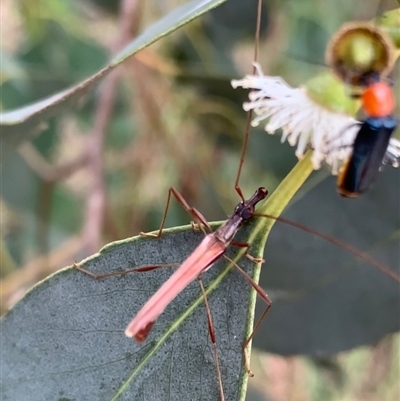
x=343, y=245
x=249, y=114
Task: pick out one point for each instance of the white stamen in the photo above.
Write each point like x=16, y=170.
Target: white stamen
x=303, y=121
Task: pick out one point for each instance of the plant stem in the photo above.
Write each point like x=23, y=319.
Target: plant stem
x=277, y=202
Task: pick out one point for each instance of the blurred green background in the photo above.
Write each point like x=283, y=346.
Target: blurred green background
x=175, y=121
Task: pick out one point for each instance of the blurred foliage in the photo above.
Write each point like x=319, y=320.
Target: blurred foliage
x=367, y=374
x=47, y=49
x=176, y=120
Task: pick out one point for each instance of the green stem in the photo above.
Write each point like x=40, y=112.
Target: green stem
x=277, y=202
x=274, y=206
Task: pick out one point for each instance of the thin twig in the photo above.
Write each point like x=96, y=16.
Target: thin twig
x=45, y=170
x=96, y=202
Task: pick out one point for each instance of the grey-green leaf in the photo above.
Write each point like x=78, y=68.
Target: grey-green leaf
x=17, y=125
x=65, y=339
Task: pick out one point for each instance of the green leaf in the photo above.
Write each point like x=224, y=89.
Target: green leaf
x=71, y=341
x=17, y=125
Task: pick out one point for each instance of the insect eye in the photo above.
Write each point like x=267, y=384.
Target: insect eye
x=246, y=214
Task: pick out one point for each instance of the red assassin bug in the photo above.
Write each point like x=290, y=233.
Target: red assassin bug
x=211, y=248
x=372, y=139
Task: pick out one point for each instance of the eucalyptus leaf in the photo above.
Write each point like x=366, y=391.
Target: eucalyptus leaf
x=66, y=339
x=17, y=125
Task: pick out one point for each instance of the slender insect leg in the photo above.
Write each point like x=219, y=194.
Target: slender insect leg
x=247, y=246
x=201, y=221
x=211, y=331
x=267, y=300
x=123, y=272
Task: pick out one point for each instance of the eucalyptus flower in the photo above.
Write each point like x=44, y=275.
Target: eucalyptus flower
x=303, y=121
